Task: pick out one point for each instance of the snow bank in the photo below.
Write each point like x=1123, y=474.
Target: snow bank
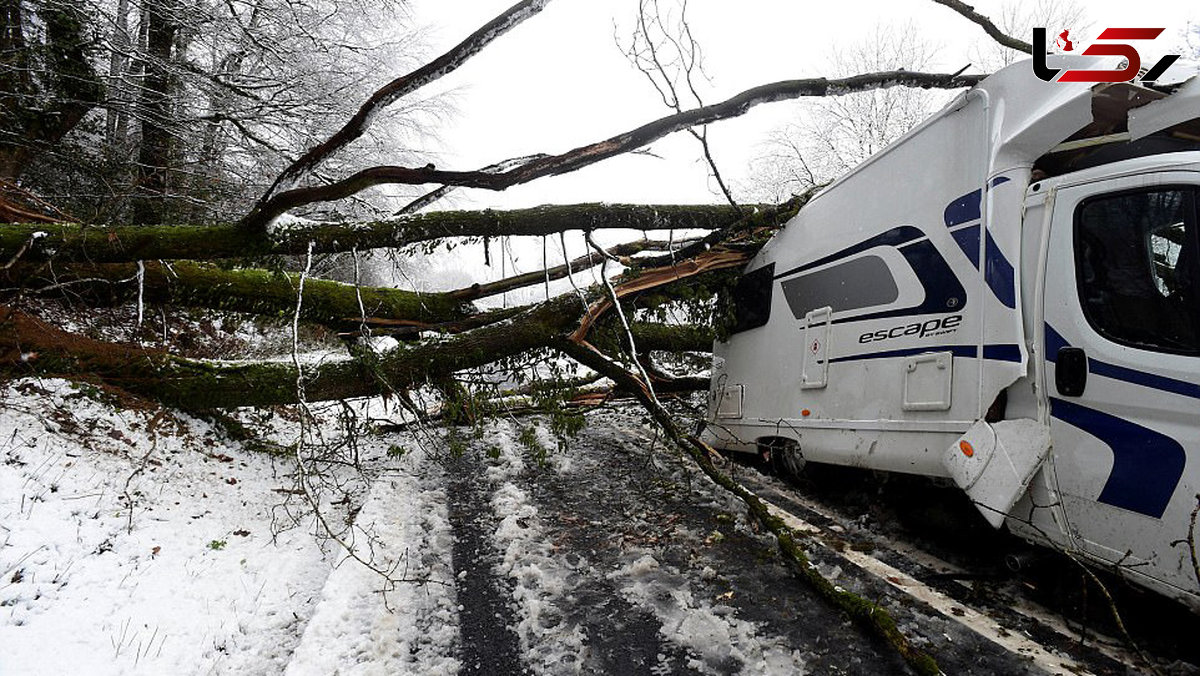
x=139, y=541
x=370, y=625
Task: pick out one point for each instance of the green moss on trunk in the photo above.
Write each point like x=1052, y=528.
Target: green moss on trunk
x=128, y=243
x=247, y=290
x=29, y=346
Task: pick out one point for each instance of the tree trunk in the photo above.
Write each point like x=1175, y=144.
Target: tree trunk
x=130, y=243
x=114, y=123
x=45, y=87
x=29, y=347
x=154, y=151
x=262, y=292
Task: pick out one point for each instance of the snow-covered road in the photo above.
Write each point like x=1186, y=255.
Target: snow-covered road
x=137, y=542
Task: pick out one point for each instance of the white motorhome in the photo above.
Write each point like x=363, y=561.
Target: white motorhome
x=1008, y=297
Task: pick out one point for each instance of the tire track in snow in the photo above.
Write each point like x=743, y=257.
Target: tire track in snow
x=540, y=578
x=363, y=624
x=488, y=644
x=679, y=554
x=576, y=524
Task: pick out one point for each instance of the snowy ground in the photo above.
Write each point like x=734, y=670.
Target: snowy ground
x=138, y=541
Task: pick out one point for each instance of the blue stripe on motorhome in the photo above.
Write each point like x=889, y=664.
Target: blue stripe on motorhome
x=1055, y=342
x=943, y=292
x=1142, y=378
x=968, y=240
x=962, y=210
x=1000, y=275
x=1002, y=352
x=1147, y=465
x=957, y=350
x=895, y=237
x=993, y=352
x=967, y=208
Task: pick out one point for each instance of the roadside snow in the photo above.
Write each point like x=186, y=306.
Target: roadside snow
x=141, y=541
x=367, y=624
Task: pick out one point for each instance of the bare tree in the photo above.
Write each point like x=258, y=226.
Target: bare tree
x=195, y=107
x=445, y=338
x=1019, y=17
x=833, y=135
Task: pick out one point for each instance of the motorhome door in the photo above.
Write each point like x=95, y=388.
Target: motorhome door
x=1122, y=344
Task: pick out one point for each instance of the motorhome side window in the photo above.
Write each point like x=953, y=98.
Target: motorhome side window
x=1139, y=277
x=752, y=299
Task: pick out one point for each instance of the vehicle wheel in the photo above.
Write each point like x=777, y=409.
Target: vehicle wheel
x=781, y=455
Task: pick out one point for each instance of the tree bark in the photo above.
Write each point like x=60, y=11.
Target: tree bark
x=29, y=347
x=154, y=151
x=262, y=292
x=130, y=243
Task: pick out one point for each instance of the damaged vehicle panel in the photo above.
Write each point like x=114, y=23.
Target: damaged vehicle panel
x=1007, y=297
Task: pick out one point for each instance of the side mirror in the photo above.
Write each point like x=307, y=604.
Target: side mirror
x=1071, y=371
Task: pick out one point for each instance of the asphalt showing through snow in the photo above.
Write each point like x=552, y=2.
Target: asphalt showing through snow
x=653, y=570
x=487, y=645
x=665, y=577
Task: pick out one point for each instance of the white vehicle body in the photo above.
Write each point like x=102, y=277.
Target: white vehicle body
x=938, y=312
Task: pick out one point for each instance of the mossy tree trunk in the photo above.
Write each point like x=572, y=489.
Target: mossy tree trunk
x=255, y=291
x=30, y=346
x=130, y=243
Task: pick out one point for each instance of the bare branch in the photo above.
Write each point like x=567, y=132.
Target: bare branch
x=572, y=160
x=406, y=84
x=438, y=193
x=990, y=28
x=626, y=249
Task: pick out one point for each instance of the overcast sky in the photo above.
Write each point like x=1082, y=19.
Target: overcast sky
x=558, y=81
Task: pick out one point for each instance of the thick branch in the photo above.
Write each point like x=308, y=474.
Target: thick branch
x=29, y=346
x=245, y=290
x=128, y=243
x=756, y=227
x=406, y=84
x=584, y=262
x=711, y=261
x=990, y=28
x=583, y=156
x=672, y=338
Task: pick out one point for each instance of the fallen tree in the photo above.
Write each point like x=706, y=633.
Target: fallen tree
x=30, y=346
x=128, y=243
x=249, y=290
x=226, y=267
